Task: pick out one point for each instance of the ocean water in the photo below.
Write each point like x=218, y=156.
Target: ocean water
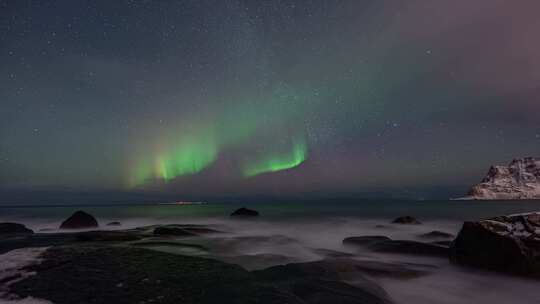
x=299, y=232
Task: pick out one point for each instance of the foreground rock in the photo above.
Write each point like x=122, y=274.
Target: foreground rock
x=121, y=275
x=79, y=220
x=183, y=230
x=14, y=228
x=245, y=212
x=114, y=224
x=321, y=282
x=387, y=245
x=508, y=244
x=519, y=180
x=406, y=220
x=107, y=236
x=8, y=243
x=172, y=231
x=365, y=240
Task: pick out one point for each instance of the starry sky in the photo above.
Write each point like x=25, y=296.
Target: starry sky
x=243, y=97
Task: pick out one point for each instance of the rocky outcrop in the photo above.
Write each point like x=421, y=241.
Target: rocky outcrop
x=508, y=244
x=245, y=212
x=519, y=180
x=14, y=228
x=79, y=220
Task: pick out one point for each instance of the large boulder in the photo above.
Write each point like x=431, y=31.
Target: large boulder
x=79, y=220
x=12, y=228
x=245, y=212
x=508, y=244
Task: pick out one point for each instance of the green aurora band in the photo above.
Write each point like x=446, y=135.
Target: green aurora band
x=190, y=156
x=278, y=162
x=185, y=160
x=179, y=155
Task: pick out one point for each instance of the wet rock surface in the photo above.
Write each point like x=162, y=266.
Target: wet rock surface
x=79, y=220
x=107, y=236
x=508, y=244
x=14, y=228
x=35, y=240
x=365, y=240
x=104, y=274
x=172, y=231
x=387, y=245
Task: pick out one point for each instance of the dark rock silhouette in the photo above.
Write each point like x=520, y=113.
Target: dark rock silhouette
x=406, y=220
x=437, y=235
x=245, y=212
x=508, y=244
x=365, y=240
x=173, y=231
x=79, y=220
x=9, y=228
x=385, y=244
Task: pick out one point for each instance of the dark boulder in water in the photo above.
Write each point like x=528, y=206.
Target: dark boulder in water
x=509, y=244
x=245, y=212
x=114, y=224
x=79, y=220
x=406, y=220
x=12, y=228
x=437, y=235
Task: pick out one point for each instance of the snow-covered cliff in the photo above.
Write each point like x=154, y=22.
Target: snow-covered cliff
x=519, y=180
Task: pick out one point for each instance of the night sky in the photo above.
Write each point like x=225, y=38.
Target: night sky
x=244, y=97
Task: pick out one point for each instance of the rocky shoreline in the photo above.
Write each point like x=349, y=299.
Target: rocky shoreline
x=131, y=266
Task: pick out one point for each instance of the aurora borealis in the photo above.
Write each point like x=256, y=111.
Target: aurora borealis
x=278, y=162
x=280, y=97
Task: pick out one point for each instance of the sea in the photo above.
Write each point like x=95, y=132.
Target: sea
x=299, y=231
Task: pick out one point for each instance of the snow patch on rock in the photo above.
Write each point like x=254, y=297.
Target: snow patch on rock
x=519, y=180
